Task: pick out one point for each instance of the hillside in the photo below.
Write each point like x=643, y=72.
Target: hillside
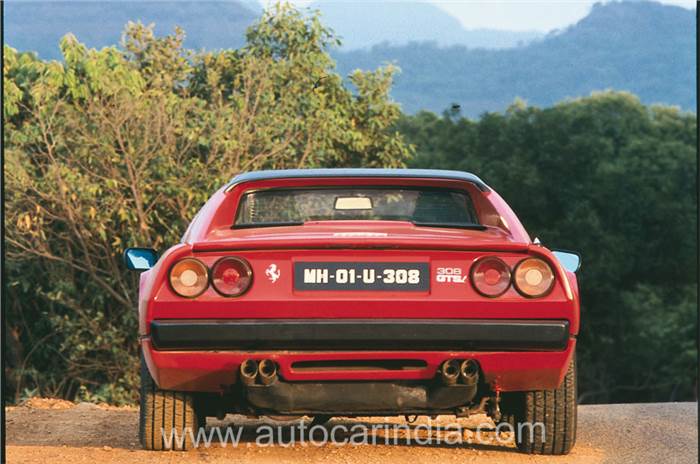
x=38, y=26
x=642, y=47
x=363, y=24
x=645, y=48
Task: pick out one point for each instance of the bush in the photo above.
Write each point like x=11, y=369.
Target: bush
x=120, y=147
x=614, y=180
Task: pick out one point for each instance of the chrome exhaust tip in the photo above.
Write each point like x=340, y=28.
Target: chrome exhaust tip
x=248, y=371
x=450, y=372
x=267, y=371
x=469, y=372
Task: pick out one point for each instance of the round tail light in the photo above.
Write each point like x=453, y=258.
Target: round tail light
x=231, y=276
x=189, y=277
x=490, y=276
x=533, y=277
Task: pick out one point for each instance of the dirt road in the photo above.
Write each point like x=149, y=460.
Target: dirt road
x=55, y=431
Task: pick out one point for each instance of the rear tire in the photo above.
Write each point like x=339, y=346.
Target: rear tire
x=168, y=420
x=554, y=409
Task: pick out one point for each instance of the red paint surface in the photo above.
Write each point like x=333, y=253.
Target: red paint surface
x=211, y=371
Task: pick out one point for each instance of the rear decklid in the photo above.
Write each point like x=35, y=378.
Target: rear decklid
x=359, y=234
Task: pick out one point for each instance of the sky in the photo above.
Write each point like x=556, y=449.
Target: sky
x=515, y=15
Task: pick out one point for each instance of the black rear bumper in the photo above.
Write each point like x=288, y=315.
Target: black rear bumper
x=361, y=334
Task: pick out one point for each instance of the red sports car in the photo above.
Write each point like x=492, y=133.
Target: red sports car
x=356, y=292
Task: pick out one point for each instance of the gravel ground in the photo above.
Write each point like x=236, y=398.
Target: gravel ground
x=58, y=431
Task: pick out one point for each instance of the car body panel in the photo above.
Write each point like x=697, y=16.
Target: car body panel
x=215, y=371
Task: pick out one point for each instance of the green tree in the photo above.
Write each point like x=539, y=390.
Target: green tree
x=614, y=180
x=121, y=146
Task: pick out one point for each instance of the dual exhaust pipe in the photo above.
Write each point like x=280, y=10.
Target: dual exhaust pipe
x=454, y=370
x=451, y=372
x=264, y=371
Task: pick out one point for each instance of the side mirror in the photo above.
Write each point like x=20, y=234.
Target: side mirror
x=569, y=259
x=140, y=259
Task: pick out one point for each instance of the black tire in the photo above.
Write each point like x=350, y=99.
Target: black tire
x=554, y=409
x=168, y=411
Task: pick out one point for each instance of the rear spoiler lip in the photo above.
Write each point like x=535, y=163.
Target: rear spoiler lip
x=428, y=174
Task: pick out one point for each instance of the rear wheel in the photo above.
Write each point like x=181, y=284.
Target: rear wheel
x=168, y=420
x=544, y=421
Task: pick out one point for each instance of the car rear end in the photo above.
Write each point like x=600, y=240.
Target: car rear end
x=293, y=321
x=357, y=316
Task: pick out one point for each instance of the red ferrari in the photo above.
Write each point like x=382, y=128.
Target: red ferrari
x=358, y=292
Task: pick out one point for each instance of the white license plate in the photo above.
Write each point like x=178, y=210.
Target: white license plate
x=410, y=277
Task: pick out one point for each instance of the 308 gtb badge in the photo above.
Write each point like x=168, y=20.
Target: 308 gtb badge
x=450, y=275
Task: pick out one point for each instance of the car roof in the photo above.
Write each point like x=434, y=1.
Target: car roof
x=357, y=172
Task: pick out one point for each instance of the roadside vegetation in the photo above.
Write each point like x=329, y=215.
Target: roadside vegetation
x=121, y=146
x=616, y=181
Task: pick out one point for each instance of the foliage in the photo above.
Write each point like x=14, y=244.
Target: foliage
x=614, y=180
x=120, y=147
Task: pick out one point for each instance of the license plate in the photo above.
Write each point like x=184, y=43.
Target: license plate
x=409, y=277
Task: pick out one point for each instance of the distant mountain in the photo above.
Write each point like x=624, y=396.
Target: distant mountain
x=361, y=24
x=642, y=47
x=38, y=26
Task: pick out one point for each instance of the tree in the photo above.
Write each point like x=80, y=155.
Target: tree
x=121, y=146
x=614, y=180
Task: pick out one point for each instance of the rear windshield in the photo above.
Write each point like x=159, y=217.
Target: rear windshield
x=428, y=206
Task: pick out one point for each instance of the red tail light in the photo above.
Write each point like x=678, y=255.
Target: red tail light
x=231, y=276
x=490, y=276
